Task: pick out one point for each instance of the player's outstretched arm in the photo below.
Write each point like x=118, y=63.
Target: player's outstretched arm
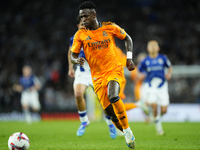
x=71, y=69
x=17, y=88
x=77, y=60
x=169, y=73
x=129, y=47
x=37, y=85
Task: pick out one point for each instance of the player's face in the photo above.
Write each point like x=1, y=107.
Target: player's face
x=153, y=47
x=80, y=25
x=87, y=17
x=26, y=71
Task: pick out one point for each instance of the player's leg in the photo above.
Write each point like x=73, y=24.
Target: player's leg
x=163, y=110
x=139, y=102
x=154, y=109
x=122, y=88
x=25, y=106
x=35, y=105
x=112, y=129
x=141, y=97
x=129, y=106
x=157, y=119
x=27, y=113
x=120, y=111
x=163, y=102
x=109, y=110
x=79, y=90
x=144, y=93
x=152, y=100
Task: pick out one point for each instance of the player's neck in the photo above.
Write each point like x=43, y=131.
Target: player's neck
x=95, y=25
x=155, y=55
x=27, y=76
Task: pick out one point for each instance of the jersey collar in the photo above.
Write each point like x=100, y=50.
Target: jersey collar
x=100, y=25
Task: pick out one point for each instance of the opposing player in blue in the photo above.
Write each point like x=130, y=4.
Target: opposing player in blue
x=28, y=86
x=152, y=70
x=83, y=79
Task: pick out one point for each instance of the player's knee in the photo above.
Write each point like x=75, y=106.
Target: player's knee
x=163, y=111
x=114, y=98
x=79, y=95
x=25, y=107
x=36, y=109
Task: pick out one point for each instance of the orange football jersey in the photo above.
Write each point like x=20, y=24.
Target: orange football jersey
x=122, y=56
x=99, y=48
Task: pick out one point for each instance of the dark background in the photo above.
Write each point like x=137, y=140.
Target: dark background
x=37, y=32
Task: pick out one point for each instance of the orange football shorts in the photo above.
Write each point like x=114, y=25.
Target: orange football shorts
x=101, y=87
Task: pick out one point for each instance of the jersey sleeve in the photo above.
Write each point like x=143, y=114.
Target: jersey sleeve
x=118, y=32
x=36, y=81
x=166, y=61
x=141, y=67
x=77, y=43
x=20, y=81
x=122, y=56
x=71, y=41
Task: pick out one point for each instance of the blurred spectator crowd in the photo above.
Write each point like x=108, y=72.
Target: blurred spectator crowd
x=37, y=32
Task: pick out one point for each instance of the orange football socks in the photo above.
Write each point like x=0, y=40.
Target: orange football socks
x=129, y=106
x=120, y=112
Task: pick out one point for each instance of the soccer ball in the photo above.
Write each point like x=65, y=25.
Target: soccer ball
x=18, y=141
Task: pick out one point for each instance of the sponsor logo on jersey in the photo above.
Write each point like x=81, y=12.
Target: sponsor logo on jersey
x=99, y=44
x=105, y=33
x=88, y=38
x=154, y=68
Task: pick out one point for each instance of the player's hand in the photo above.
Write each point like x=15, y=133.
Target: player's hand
x=168, y=76
x=71, y=73
x=32, y=88
x=17, y=88
x=81, y=61
x=130, y=64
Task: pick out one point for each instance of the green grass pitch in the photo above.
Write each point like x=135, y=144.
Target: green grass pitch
x=61, y=135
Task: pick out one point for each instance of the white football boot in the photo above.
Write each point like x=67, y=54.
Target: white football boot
x=159, y=128
x=130, y=139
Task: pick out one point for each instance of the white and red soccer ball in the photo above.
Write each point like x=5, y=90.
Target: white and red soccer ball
x=18, y=141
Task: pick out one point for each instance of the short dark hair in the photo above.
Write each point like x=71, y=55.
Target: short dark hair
x=154, y=39
x=87, y=5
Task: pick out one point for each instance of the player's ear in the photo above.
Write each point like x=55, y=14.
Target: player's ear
x=94, y=14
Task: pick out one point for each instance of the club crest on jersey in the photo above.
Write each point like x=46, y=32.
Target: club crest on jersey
x=160, y=61
x=88, y=38
x=105, y=33
x=147, y=62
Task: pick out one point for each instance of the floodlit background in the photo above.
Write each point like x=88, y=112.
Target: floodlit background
x=37, y=32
